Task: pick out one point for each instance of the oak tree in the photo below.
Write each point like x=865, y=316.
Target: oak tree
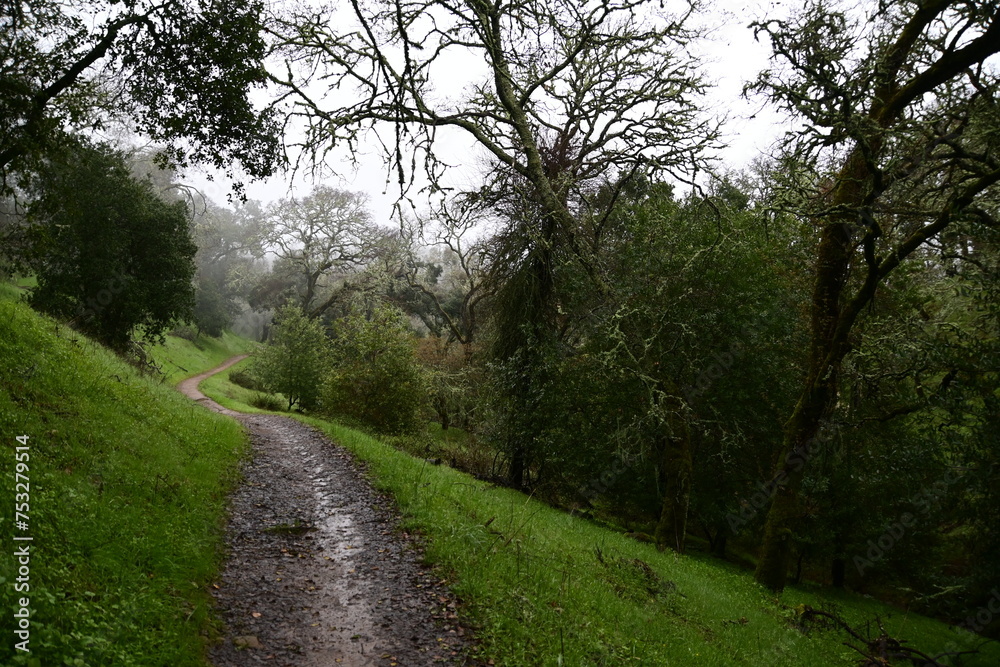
x=899, y=118
x=181, y=70
x=317, y=239
x=109, y=253
x=569, y=96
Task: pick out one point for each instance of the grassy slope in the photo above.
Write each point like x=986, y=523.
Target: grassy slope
x=534, y=584
x=227, y=394
x=180, y=358
x=128, y=488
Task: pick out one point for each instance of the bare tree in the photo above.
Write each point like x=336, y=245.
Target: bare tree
x=321, y=236
x=573, y=96
x=592, y=88
x=445, y=263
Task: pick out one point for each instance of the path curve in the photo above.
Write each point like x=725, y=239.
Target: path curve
x=189, y=387
x=318, y=573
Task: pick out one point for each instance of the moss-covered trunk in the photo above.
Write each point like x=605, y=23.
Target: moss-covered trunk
x=827, y=350
x=675, y=473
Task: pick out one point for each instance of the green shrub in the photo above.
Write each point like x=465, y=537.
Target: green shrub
x=246, y=379
x=376, y=378
x=184, y=331
x=293, y=361
x=264, y=401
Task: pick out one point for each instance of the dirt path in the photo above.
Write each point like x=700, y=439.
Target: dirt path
x=189, y=387
x=318, y=572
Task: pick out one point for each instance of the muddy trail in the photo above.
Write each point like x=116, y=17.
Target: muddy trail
x=318, y=572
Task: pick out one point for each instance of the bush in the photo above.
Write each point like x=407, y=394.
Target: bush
x=376, y=378
x=293, y=361
x=185, y=332
x=264, y=401
x=246, y=379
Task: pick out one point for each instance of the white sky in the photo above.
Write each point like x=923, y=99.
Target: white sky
x=731, y=58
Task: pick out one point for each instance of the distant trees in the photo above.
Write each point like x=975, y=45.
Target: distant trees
x=227, y=263
x=180, y=72
x=317, y=239
x=108, y=252
x=444, y=271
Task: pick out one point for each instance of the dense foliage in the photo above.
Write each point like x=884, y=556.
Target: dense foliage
x=109, y=253
x=294, y=362
x=375, y=378
x=181, y=70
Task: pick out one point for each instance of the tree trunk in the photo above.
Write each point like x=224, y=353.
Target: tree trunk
x=676, y=473
x=839, y=572
x=797, y=579
x=515, y=477
x=827, y=350
x=719, y=545
x=802, y=437
x=859, y=184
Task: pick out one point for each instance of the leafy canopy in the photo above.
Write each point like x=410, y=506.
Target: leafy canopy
x=182, y=70
x=108, y=252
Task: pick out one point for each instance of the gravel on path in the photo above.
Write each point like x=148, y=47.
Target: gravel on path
x=318, y=571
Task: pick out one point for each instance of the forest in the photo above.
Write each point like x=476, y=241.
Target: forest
x=791, y=364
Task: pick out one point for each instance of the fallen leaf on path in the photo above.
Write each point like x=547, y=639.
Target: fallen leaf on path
x=247, y=641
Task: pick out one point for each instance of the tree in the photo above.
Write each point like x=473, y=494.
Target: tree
x=108, y=252
x=181, y=69
x=212, y=314
x=295, y=359
x=376, y=378
x=444, y=268
x=318, y=238
x=571, y=96
x=227, y=241
x=900, y=115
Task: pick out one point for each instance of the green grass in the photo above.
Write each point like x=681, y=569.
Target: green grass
x=180, y=358
x=128, y=484
x=230, y=395
x=9, y=291
x=546, y=588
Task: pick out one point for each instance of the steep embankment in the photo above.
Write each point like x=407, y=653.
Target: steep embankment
x=127, y=484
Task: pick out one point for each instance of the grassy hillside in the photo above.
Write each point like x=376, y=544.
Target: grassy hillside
x=547, y=588
x=128, y=483
x=180, y=358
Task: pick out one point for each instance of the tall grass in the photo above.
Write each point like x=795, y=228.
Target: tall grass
x=128, y=490
x=547, y=588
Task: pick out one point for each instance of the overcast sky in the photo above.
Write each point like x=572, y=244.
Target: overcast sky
x=731, y=57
